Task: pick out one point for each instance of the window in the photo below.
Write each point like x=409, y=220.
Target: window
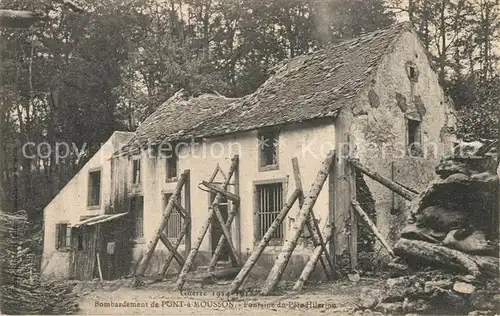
x=137, y=216
x=172, y=160
x=63, y=236
x=136, y=171
x=94, y=192
x=175, y=221
x=414, y=138
x=268, y=150
x=269, y=201
x=412, y=73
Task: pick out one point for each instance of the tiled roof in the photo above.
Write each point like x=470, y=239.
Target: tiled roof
x=307, y=87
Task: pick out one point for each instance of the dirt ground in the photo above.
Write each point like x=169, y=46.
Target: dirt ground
x=161, y=298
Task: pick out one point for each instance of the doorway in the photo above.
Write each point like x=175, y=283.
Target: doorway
x=216, y=229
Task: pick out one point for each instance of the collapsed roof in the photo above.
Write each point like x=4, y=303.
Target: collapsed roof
x=307, y=87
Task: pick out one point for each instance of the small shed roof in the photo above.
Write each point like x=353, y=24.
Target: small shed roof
x=307, y=87
x=99, y=219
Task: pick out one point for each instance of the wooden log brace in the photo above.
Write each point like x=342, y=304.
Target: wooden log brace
x=184, y=213
x=368, y=222
x=176, y=244
x=222, y=240
x=215, y=188
x=291, y=242
x=408, y=195
x=318, y=251
x=233, y=253
x=194, y=249
x=312, y=224
x=141, y=269
x=252, y=260
x=172, y=249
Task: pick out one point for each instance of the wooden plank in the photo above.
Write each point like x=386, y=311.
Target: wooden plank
x=291, y=242
x=141, y=269
x=408, y=195
x=353, y=223
x=339, y=194
x=215, y=188
x=367, y=221
x=99, y=266
x=187, y=207
x=252, y=260
x=318, y=251
x=194, y=249
x=172, y=249
x=312, y=224
x=222, y=240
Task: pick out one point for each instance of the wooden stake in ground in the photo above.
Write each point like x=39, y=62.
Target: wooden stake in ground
x=252, y=260
x=367, y=221
x=318, y=251
x=291, y=242
x=408, y=195
x=194, y=249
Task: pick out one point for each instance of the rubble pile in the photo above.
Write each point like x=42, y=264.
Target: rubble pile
x=448, y=253
x=455, y=221
x=432, y=292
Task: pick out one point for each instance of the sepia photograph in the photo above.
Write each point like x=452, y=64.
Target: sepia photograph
x=243, y=157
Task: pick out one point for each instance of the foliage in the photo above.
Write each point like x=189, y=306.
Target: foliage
x=22, y=291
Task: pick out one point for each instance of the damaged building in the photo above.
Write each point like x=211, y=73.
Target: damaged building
x=375, y=98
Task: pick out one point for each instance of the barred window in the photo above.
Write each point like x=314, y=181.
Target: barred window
x=137, y=216
x=175, y=221
x=269, y=202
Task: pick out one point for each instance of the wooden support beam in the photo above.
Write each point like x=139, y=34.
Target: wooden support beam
x=184, y=213
x=141, y=269
x=318, y=251
x=172, y=249
x=176, y=244
x=233, y=254
x=312, y=224
x=194, y=249
x=252, y=260
x=367, y=221
x=222, y=240
x=215, y=188
x=353, y=223
x=408, y=195
x=291, y=242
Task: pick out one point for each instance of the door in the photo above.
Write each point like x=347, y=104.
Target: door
x=216, y=229
x=83, y=252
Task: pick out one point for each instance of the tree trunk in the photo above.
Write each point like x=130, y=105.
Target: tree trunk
x=291, y=242
x=437, y=255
